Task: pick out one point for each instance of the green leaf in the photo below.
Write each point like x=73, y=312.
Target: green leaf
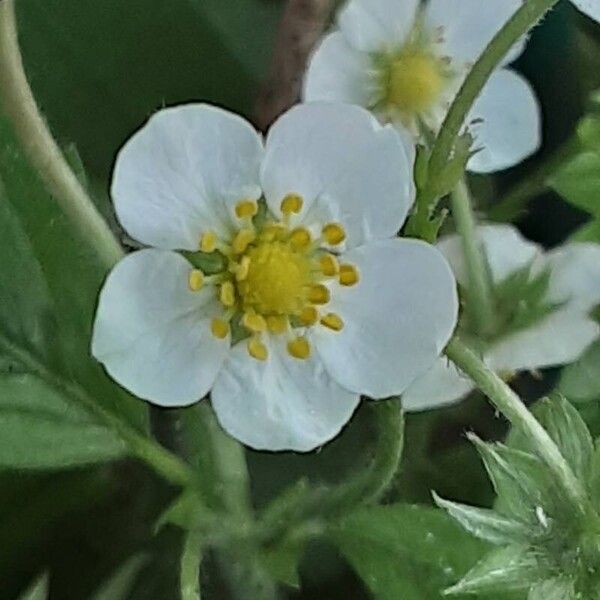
x=506, y=569
x=282, y=561
x=485, y=524
x=579, y=182
x=404, y=551
x=588, y=233
x=553, y=589
x=120, y=584
x=580, y=382
x=39, y=430
x=38, y=589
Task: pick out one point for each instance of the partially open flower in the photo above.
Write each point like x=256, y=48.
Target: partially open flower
x=405, y=60
x=316, y=302
x=548, y=325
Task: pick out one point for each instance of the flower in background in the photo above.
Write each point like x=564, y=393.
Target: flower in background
x=590, y=7
x=405, y=61
x=544, y=302
x=316, y=301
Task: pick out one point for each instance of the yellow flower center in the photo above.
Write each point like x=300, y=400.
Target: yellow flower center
x=275, y=280
x=415, y=82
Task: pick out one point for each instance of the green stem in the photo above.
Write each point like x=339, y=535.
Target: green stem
x=507, y=402
x=43, y=152
x=515, y=200
x=479, y=288
x=191, y=557
x=515, y=28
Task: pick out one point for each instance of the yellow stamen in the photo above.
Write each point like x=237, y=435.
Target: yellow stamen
x=246, y=208
x=273, y=231
x=242, y=240
x=254, y=322
x=241, y=271
x=332, y=321
x=301, y=238
x=277, y=324
x=208, y=242
x=329, y=265
x=319, y=294
x=257, y=349
x=299, y=348
x=219, y=328
x=309, y=316
x=195, y=280
x=334, y=234
x=348, y=275
x=227, y=294
x=292, y=204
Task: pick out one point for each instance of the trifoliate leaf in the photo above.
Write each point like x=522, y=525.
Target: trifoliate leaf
x=486, y=524
x=580, y=382
x=506, y=569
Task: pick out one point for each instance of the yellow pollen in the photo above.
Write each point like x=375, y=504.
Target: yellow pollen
x=246, y=208
x=292, y=204
x=319, y=294
x=332, y=321
x=195, y=280
x=253, y=322
x=309, y=316
x=277, y=279
x=242, y=268
x=299, y=348
x=329, y=265
x=277, y=324
x=348, y=275
x=301, y=238
x=415, y=82
x=208, y=242
x=219, y=328
x=257, y=349
x=242, y=240
x=227, y=294
x=334, y=234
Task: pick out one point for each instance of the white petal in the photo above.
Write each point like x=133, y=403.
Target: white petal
x=398, y=318
x=470, y=25
x=506, y=250
x=511, y=125
x=181, y=174
x=575, y=275
x=338, y=73
x=559, y=339
x=443, y=384
x=153, y=334
x=346, y=166
x=282, y=403
x=374, y=25
x=590, y=7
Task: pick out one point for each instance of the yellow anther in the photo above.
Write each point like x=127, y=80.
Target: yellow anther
x=219, y=328
x=332, y=321
x=257, y=349
x=242, y=240
x=301, y=238
x=329, y=265
x=309, y=316
x=273, y=231
x=242, y=268
x=208, y=241
x=254, y=322
x=195, y=280
x=292, y=204
x=277, y=324
x=319, y=294
x=299, y=348
x=348, y=275
x=334, y=234
x=246, y=208
x=227, y=294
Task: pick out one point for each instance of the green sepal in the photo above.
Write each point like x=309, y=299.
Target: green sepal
x=580, y=382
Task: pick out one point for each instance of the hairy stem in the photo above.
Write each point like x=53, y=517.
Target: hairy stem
x=507, y=402
x=189, y=574
x=44, y=154
x=479, y=289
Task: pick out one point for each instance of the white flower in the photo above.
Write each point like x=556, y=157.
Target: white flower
x=318, y=301
x=590, y=7
x=405, y=61
x=558, y=338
